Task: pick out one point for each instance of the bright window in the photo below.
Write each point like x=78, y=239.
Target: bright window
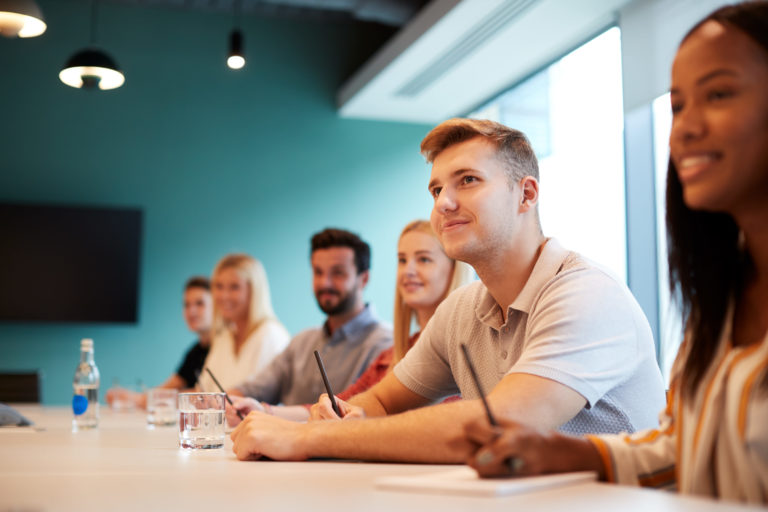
x=670, y=323
x=572, y=113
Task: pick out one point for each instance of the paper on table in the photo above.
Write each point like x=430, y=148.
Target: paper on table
x=14, y=429
x=465, y=481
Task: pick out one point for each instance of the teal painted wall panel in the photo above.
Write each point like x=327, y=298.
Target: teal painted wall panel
x=218, y=161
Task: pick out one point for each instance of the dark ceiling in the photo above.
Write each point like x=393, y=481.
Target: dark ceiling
x=375, y=21
x=391, y=13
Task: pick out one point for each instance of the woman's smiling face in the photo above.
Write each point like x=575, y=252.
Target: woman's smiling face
x=719, y=138
x=423, y=270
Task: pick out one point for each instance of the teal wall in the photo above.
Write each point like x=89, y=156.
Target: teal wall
x=219, y=161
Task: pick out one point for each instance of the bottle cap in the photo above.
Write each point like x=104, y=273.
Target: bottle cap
x=86, y=343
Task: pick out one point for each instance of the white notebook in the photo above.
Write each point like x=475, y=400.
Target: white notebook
x=465, y=481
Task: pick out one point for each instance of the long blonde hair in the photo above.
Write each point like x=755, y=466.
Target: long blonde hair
x=260, y=306
x=405, y=314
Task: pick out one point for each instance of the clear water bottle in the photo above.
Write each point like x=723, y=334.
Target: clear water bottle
x=85, y=401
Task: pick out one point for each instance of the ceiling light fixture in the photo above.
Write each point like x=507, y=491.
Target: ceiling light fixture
x=91, y=68
x=21, y=18
x=236, y=57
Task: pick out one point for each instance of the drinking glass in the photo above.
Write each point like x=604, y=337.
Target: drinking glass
x=201, y=420
x=161, y=407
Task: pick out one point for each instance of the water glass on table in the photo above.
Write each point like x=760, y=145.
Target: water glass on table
x=201, y=420
x=121, y=399
x=161, y=407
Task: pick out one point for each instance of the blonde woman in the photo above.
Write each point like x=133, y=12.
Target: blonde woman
x=247, y=335
x=425, y=276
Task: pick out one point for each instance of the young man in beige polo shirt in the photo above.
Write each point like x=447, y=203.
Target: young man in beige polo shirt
x=558, y=341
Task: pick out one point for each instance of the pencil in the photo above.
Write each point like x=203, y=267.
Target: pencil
x=327, y=384
x=475, y=378
x=216, y=381
x=514, y=464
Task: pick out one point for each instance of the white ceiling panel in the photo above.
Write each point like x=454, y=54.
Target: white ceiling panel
x=455, y=54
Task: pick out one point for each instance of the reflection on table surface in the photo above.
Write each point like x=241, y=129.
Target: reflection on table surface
x=123, y=465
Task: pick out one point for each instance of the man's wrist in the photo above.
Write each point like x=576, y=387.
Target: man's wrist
x=306, y=438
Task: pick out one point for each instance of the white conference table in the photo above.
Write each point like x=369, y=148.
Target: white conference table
x=125, y=466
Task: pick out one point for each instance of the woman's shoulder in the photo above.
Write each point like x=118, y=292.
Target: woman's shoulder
x=222, y=336
x=270, y=328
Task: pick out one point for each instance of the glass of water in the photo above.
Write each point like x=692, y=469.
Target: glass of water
x=161, y=407
x=201, y=420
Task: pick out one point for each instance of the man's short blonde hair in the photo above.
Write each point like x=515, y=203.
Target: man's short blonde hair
x=512, y=146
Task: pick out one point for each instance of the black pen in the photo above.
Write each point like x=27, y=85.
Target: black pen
x=513, y=463
x=327, y=384
x=239, y=414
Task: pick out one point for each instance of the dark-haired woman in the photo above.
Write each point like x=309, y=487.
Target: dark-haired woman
x=713, y=436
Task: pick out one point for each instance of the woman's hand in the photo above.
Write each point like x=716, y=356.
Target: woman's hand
x=323, y=410
x=243, y=405
x=125, y=398
x=513, y=449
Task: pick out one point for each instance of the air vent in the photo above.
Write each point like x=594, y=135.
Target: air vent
x=474, y=39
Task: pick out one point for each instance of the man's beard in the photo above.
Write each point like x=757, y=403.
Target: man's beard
x=345, y=304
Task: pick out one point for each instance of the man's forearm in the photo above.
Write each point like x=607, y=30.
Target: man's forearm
x=388, y=396
x=262, y=387
x=289, y=412
x=369, y=403
x=430, y=435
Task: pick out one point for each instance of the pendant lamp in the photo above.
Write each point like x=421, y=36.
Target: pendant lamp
x=21, y=18
x=92, y=68
x=236, y=56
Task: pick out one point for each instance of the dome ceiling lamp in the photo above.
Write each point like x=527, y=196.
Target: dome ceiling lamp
x=91, y=68
x=21, y=18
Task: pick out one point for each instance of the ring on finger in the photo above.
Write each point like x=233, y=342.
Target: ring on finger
x=484, y=458
x=515, y=464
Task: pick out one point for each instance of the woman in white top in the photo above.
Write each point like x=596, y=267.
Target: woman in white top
x=247, y=335
x=713, y=436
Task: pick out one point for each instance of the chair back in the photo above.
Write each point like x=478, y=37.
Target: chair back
x=20, y=386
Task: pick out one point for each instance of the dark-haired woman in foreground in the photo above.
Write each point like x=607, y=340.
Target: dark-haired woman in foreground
x=713, y=436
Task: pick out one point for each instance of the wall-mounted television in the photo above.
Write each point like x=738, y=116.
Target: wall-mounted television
x=69, y=263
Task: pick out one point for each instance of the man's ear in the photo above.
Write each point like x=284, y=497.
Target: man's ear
x=364, y=276
x=529, y=196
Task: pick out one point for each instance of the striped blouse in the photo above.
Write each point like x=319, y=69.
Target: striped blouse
x=714, y=445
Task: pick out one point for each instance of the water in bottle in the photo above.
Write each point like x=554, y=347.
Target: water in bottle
x=85, y=401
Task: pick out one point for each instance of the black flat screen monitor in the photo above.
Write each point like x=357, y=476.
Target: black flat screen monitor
x=69, y=263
